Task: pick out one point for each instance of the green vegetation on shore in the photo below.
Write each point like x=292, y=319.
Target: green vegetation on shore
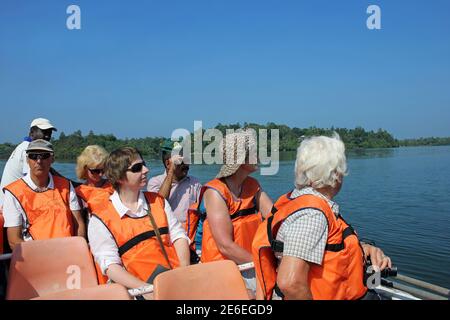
x=68, y=147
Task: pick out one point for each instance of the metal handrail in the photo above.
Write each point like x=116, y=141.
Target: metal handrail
x=422, y=294
x=424, y=285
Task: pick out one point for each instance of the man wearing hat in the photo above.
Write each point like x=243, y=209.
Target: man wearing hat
x=41, y=205
x=180, y=189
x=16, y=166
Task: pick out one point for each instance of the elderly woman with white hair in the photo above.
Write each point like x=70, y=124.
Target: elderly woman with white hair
x=309, y=251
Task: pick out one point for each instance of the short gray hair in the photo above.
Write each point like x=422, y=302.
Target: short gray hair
x=320, y=162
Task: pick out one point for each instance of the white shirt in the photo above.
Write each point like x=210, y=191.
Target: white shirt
x=15, y=216
x=102, y=243
x=15, y=168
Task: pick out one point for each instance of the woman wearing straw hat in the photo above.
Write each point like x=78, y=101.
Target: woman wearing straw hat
x=232, y=204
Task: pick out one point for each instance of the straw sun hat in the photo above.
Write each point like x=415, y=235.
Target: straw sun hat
x=235, y=147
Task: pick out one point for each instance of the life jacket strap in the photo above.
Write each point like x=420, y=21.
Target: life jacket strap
x=244, y=212
x=340, y=246
x=139, y=238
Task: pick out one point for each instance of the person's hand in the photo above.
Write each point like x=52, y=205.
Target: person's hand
x=173, y=162
x=379, y=260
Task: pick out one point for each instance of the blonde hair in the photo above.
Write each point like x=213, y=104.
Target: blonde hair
x=91, y=157
x=320, y=162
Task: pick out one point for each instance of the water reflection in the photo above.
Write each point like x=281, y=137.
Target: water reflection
x=370, y=153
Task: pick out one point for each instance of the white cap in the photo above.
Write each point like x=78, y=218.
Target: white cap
x=42, y=124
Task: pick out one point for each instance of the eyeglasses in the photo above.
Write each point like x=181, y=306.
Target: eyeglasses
x=137, y=167
x=43, y=156
x=96, y=171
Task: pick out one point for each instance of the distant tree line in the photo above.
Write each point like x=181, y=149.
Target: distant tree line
x=68, y=147
x=433, y=141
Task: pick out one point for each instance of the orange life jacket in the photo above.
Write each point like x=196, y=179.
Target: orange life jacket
x=285, y=198
x=192, y=220
x=138, y=245
x=243, y=214
x=340, y=277
x=48, y=213
x=88, y=194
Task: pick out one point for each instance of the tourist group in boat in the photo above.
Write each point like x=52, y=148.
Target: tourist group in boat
x=137, y=228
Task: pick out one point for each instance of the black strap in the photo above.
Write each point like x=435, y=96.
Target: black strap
x=277, y=246
x=340, y=246
x=244, y=212
x=139, y=238
x=278, y=291
x=269, y=229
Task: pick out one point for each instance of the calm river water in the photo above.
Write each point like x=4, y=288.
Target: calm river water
x=399, y=198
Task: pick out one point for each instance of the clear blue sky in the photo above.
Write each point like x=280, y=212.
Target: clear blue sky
x=144, y=68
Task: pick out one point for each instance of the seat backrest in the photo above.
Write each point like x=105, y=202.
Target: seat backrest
x=42, y=267
x=104, y=292
x=219, y=280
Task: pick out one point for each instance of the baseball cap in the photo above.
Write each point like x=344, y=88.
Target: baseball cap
x=42, y=124
x=40, y=145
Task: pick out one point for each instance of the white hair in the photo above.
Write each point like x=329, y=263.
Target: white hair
x=320, y=162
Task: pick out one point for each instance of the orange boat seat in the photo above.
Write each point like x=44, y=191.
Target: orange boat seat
x=104, y=292
x=219, y=280
x=42, y=267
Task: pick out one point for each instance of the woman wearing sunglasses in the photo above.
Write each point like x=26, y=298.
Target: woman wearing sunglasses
x=90, y=167
x=134, y=235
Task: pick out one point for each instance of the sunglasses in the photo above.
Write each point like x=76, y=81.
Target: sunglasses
x=137, y=167
x=96, y=171
x=42, y=156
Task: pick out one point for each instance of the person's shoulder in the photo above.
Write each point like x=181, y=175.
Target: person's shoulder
x=307, y=216
x=252, y=182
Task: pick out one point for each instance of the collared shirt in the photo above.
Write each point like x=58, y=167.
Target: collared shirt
x=102, y=243
x=15, y=168
x=182, y=193
x=305, y=232
x=15, y=216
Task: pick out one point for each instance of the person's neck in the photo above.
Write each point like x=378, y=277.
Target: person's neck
x=235, y=181
x=41, y=181
x=328, y=192
x=129, y=198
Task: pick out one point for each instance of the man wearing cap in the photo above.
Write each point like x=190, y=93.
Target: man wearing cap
x=16, y=166
x=41, y=205
x=180, y=189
